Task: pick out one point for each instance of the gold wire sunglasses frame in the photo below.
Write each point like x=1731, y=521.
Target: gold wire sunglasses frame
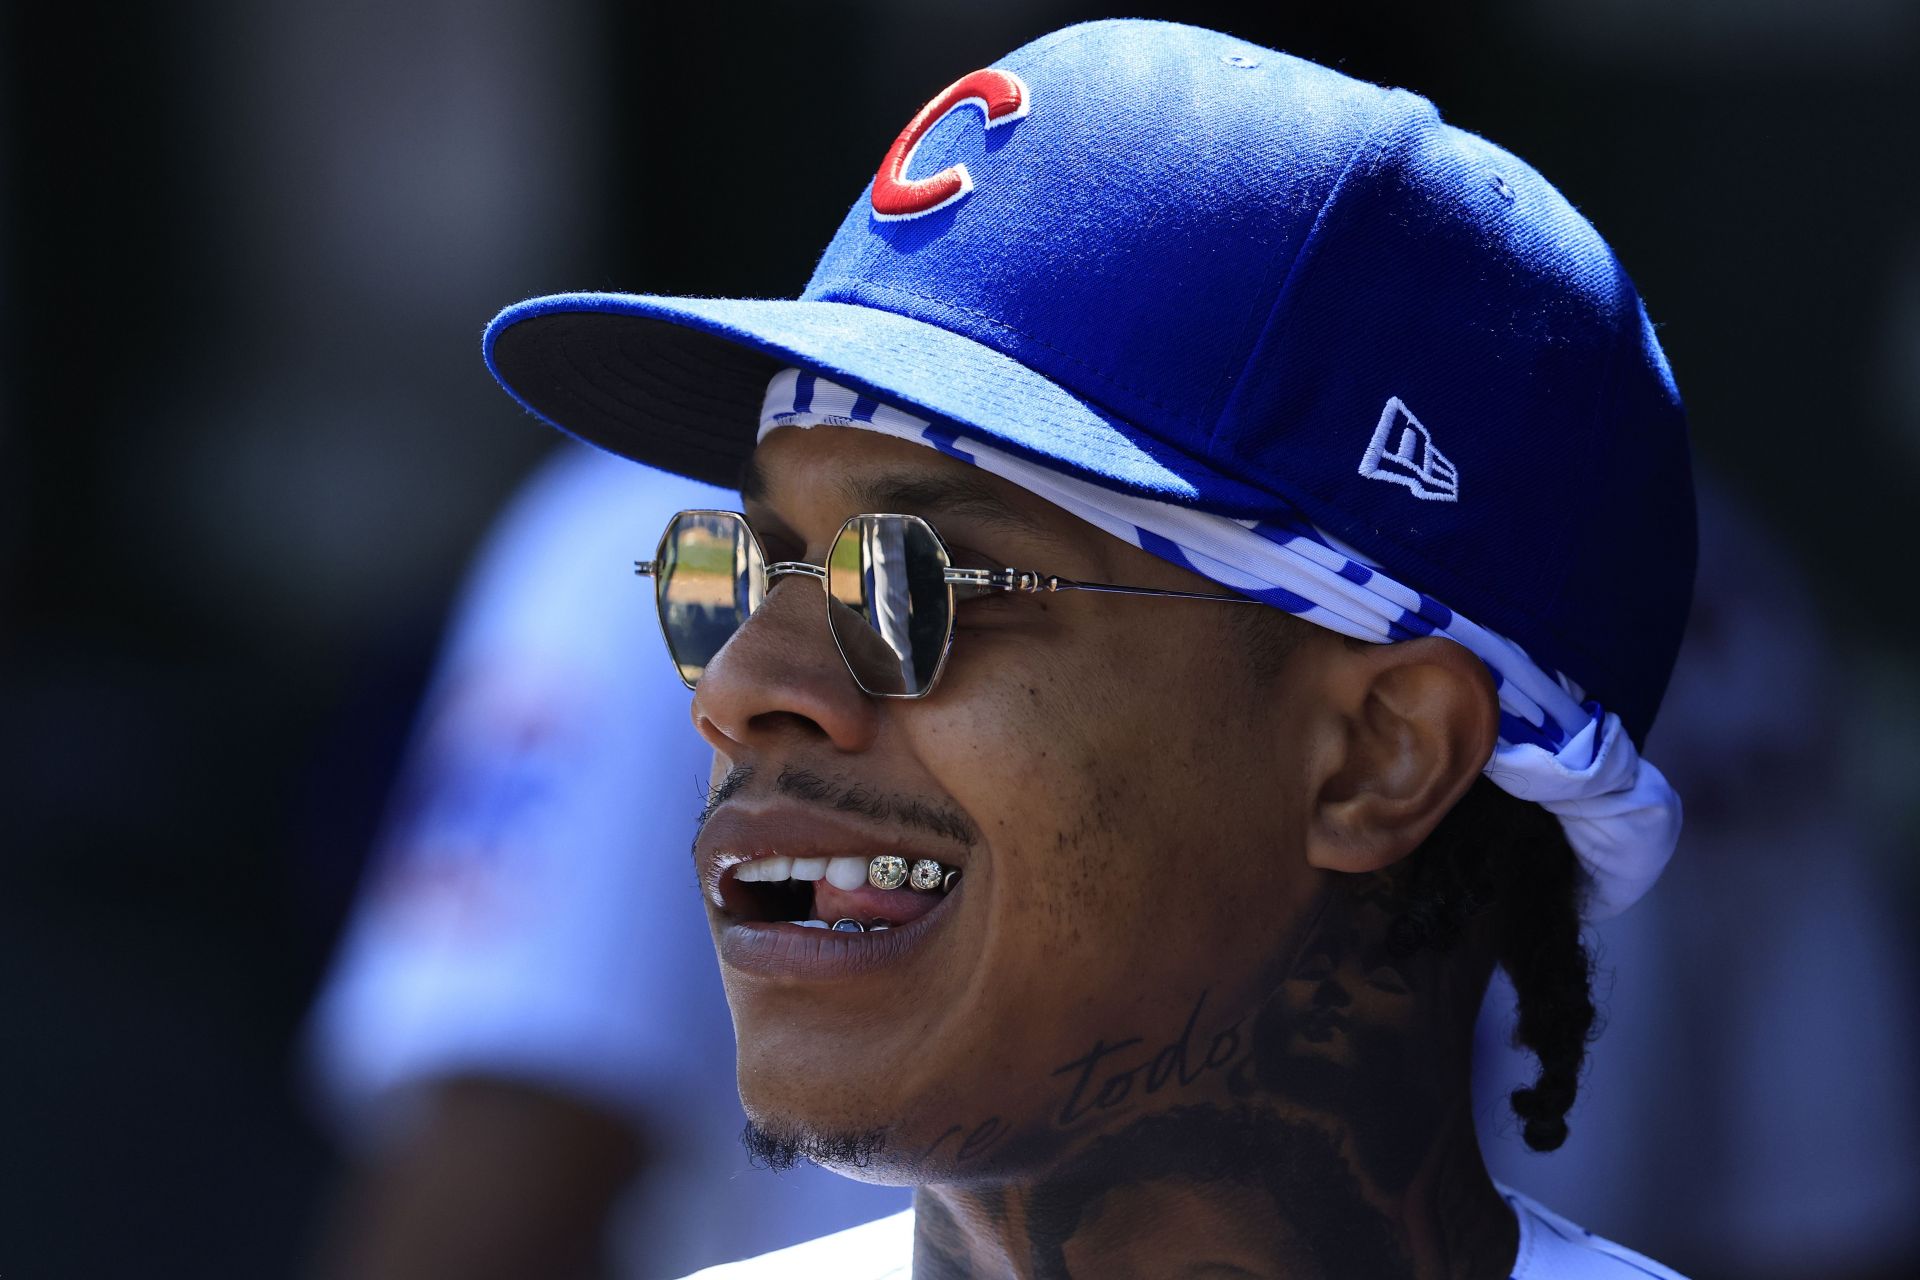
x=890, y=591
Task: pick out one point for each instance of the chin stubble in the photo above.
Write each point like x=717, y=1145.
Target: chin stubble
x=781, y=1149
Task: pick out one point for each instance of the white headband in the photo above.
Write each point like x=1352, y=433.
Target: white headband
x=1567, y=754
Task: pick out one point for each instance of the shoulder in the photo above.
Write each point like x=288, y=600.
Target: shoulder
x=582, y=486
x=582, y=516
x=1552, y=1248
x=551, y=596
x=881, y=1250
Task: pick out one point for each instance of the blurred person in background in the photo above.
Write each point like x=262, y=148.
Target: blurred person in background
x=524, y=1040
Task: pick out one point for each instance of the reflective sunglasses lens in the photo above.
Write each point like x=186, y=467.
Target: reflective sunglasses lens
x=888, y=602
x=710, y=577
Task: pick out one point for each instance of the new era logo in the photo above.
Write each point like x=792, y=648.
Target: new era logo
x=1402, y=453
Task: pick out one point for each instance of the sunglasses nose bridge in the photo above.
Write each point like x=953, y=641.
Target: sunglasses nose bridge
x=762, y=600
x=787, y=568
x=781, y=670
x=872, y=665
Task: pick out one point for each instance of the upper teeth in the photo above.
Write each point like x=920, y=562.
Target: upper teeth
x=842, y=873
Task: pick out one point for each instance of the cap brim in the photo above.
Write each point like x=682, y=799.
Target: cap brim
x=677, y=383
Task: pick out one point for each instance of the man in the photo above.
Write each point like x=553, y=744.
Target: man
x=1176, y=909
x=531, y=1069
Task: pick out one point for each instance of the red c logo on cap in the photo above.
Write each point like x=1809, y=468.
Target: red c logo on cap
x=1002, y=98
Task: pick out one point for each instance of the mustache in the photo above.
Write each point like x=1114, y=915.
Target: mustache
x=724, y=790
x=842, y=796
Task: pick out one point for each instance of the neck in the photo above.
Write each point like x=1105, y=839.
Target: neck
x=1335, y=1139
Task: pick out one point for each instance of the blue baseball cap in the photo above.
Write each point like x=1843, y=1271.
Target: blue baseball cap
x=1193, y=269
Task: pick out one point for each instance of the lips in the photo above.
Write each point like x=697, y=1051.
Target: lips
x=764, y=870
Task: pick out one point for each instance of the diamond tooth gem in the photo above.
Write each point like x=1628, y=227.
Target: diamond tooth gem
x=887, y=871
x=809, y=868
x=846, y=873
x=848, y=926
x=925, y=874
x=946, y=881
x=776, y=867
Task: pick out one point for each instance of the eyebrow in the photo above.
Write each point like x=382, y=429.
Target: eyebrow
x=912, y=492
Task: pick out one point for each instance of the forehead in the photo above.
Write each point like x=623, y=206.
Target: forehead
x=822, y=475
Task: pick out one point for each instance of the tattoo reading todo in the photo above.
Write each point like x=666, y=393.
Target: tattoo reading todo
x=1123, y=1072
x=1177, y=1062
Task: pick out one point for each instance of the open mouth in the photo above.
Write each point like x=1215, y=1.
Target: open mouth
x=819, y=893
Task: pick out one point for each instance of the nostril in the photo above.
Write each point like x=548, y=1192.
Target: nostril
x=775, y=722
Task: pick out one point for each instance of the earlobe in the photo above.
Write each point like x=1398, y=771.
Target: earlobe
x=1411, y=726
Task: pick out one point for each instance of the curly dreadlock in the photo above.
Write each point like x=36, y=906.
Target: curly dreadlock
x=1493, y=851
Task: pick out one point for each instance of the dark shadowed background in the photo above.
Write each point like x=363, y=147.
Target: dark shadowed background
x=246, y=250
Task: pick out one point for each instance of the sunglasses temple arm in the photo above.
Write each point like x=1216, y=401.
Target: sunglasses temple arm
x=975, y=583
x=1110, y=589
x=982, y=581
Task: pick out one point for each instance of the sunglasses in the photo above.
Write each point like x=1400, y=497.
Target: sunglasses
x=890, y=592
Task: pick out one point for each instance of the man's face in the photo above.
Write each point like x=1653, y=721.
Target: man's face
x=1123, y=798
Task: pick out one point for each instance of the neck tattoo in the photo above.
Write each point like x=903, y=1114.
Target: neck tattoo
x=1324, y=1133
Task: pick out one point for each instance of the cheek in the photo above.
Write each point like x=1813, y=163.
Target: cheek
x=1146, y=739
x=1133, y=814
x=1045, y=754
x=1083, y=715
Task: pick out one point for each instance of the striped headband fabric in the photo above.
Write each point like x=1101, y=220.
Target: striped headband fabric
x=1556, y=747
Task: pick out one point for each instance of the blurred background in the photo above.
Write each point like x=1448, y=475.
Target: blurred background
x=247, y=443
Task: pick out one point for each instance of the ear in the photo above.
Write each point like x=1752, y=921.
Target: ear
x=1409, y=727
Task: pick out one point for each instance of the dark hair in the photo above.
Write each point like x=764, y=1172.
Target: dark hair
x=1492, y=851
x=1495, y=852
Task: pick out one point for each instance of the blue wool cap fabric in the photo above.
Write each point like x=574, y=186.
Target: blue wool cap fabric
x=1207, y=273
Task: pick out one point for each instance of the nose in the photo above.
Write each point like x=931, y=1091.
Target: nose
x=780, y=674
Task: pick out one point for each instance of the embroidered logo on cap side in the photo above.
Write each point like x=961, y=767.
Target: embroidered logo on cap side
x=1401, y=452
x=1002, y=98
